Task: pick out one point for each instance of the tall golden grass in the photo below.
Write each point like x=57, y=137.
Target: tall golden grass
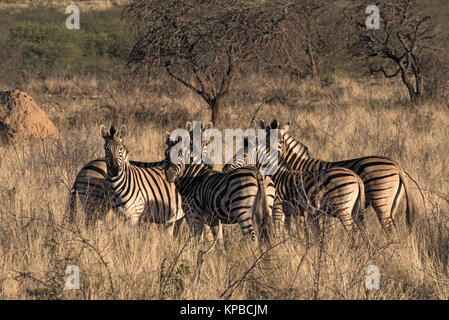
x=348, y=118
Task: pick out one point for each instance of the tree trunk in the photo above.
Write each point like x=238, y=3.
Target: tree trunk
x=217, y=107
x=413, y=93
x=309, y=52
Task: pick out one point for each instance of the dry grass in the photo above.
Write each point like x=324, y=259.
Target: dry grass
x=345, y=119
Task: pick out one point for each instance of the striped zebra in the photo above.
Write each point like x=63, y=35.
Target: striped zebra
x=338, y=192
x=384, y=179
x=94, y=191
x=139, y=194
x=213, y=197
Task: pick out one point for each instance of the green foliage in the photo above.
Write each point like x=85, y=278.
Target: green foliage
x=46, y=45
x=50, y=285
x=173, y=280
x=46, y=48
x=12, y=193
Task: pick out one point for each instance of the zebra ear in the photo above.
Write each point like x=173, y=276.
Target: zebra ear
x=262, y=124
x=208, y=125
x=286, y=127
x=104, y=131
x=189, y=126
x=307, y=153
x=167, y=138
x=274, y=124
x=121, y=133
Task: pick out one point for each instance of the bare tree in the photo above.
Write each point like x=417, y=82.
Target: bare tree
x=301, y=49
x=204, y=44
x=398, y=47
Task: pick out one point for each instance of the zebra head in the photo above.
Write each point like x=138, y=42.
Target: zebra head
x=116, y=154
x=173, y=170
x=292, y=149
x=278, y=144
x=288, y=146
x=178, y=160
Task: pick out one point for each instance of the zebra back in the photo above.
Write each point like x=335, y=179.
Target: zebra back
x=336, y=191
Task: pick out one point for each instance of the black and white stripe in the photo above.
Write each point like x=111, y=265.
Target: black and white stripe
x=212, y=197
x=94, y=190
x=337, y=191
x=383, y=178
x=138, y=193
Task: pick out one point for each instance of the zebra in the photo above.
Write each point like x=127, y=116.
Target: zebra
x=213, y=197
x=139, y=194
x=383, y=178
x=94, y=191
x=336, y=191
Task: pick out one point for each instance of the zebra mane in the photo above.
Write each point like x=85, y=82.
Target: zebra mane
x=298, y=144
x=112, y=132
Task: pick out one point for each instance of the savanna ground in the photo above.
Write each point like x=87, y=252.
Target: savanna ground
x=339, y=118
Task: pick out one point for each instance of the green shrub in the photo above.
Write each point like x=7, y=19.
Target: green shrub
x=46, y=48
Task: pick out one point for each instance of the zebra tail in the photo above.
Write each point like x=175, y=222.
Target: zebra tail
x=359, y=206
x=71, y=203
x=261, y=210
x=410, y=211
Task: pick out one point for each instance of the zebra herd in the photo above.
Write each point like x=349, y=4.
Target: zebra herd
x=166, y=192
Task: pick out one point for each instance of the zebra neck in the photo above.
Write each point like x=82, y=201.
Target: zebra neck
x=306, y=164
x=117, y=180
x=192, y=171
x=296, y=156
x=257, y=157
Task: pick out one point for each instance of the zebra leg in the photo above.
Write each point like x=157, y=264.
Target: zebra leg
x=278, y=217
x=385, y=205
x=347, y=221
x=134, y=219
x=300, y=221
x=247, y=225
x=89, y=216
x=297, y=215
x=290, y=216
x=177, y=227
x=288, y=210
x=360, y=220
x=399, y=194
x=217, y=231
x=173, y=228
x=307, y=214
x=386, y=222
x=297, y=223
x=196, y=224
x=315, y=218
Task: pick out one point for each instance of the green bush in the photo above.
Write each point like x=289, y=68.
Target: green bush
x=47, y=48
